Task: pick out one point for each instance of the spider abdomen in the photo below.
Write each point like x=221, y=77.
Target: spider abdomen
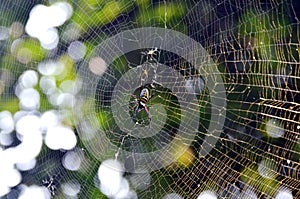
x=144, y=96
x=144, y=100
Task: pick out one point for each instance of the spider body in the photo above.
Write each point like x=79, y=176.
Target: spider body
x=144, y=96
x=141, y=104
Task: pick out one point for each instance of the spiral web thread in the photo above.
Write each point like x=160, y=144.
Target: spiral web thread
x=255, y=45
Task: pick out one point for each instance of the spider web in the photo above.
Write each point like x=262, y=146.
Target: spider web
x=254, y=149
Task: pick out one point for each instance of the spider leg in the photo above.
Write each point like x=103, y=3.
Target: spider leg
x=132, y=102
x=135, y=112
x=149, y=116
x=135, y=97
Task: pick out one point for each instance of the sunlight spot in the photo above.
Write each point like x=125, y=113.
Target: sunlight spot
x=4, y=33
x=48, y=85
x=97, y=66
x=9, y=176
x=274, y=129
x=72, y=160
x=24, y=55
x=29, y=99
x=77, y=50
x=172, y=196
x=110, y=175
x=28, y=124
x=69, y=86
x=6, y=139
x=194, y=85
x=4, y=190
x=248, y=194
x=43, y=20
x=65, y=100
x=89, y=131
x=19, y=114
x=6, y=122
x=49, y=119
x=50, y=68
x=49, y=39
x=29, y=79
x=71, y=32
x=54, y=97
x=60, y=137
x=13, y=177
x=26, y=165
x=207, y=195
x=16, y=29
x=71, y=188
x=34, y=191
x=123, y=191
x=284, y=194
x=266, y=168
x=30, y=147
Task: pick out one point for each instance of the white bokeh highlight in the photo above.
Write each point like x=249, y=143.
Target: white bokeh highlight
x=207, y=195
x=248, y=194
x=26, y=165
x=71, y=32
x=28, y=124
x=97, y=65
x=7, y=124
x=60, y=137
x=72, y=160
x=194, y=85
x=123, y=189
x=50, y=67
x=71, y=188
x=29, y=79
x=284, y=194
x=112, y=182
x=48, y=85
x=49, y=119
x=34, y=191
x=30, y=147
x=274, y=128
x=4, y=33
x=267, y=169
x=110, y=175
x=64, y=100
x=77, y=50
x=172, y=196
x=6, y=139
x=69, y=86
x=9, y=175
x=43, y=21
x=29, y=99
x=16, y=29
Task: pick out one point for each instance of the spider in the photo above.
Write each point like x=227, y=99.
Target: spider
x=51, y=183
x=141, y=104
x=144, y=97
x=151, y=54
